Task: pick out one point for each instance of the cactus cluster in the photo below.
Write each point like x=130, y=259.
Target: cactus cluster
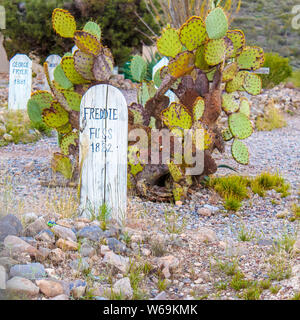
x=59, y=109
x=210, y=67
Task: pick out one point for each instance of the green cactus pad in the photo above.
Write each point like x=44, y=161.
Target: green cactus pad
x=103, y=67
x=178, y=192
x=39, y=101
x=73, y=99
x=176, y=115
x=237, y=82
x=210, y=75
x=157, y=79
x=238, y=39
x=87, y=43
x=230, y=72
x=64, y=129
x=67, y=140
x=251, y=58
x=192, y=34
x=240, y=152
x=94, y=29
x=146, y=91
x=169, y=44
x=61, y=79
x=240, y=126
x=198, y=108
x=253, y=84
x=62, y=164
x=55, y=116
x=216, y=24
x=67, y=64
x=227, y=135
x=138, y=68
x=63, y=23
x=200, y=59
x=43, y=98
x=229, y=105
x=176, y=171
x=84, y=63
x=245, y=106
x=182, y=64
x=215, y=52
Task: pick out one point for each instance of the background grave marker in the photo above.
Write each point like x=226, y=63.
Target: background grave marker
x=103, y=150
x=53, y=61
x=164, y=62
x=20, y=80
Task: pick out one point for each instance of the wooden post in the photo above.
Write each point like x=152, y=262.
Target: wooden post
x=20, y=80
x=103, y=151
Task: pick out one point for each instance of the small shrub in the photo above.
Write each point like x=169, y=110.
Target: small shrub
x=264, y=284
x=232, y=203
x=245, y=234
x=252, y=293
x=275, y=289
x=296, y=296
x=239, y=282
x=296, y=211
x=161, y=285
x=158, y=248
x=272, y=119
x=280, y=70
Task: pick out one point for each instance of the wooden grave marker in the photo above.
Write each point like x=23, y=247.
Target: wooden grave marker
x=103, y=151
x=53, y=61
x=20, y=80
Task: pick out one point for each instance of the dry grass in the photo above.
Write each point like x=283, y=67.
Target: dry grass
x=272, y=119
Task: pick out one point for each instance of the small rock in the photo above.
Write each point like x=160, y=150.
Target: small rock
x=29, y=166
x=16, y=245
x=7, y=262
x=22, y=286
x=146, y=252
x=42, y=254
x=30, y=271
x=213, y=209
x=86, y=250
x=79, y=264
x=50, y=288
x=296, y=247
x=123, y=286
x=116, y=245
x=93, y=233
x=67, y=223
x=57, y=256
x=3, y=277
x=205, y=234
x=204, y=212
x=46, y=236
x=168, y=265
x=104, y=249
x=78, y=288
x=178, y=203
x=64, y=233
x=35, y=227
x=121, y=263
x=67, y=245
x=282, y=214
x=10, y=225
x=29, y=217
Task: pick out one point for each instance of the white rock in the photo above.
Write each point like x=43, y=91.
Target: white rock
x=64, y=233
x=61, y=297
x=29, y=217
x=22, y=286
x=205, y=234
x=121, y=263
x=16, y=245
x=123, y=286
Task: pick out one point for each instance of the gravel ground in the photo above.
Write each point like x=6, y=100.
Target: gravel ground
x=278, y=150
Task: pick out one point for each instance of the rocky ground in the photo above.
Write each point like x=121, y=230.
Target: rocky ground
x=197, y=250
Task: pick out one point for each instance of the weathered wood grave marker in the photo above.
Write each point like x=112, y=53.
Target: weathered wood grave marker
x=53, y=61
x=20, y=80
x=103, y=151
x=162, y=63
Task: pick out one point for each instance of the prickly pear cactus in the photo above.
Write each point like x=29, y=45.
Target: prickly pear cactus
x=210, y=66
x=59, y=109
